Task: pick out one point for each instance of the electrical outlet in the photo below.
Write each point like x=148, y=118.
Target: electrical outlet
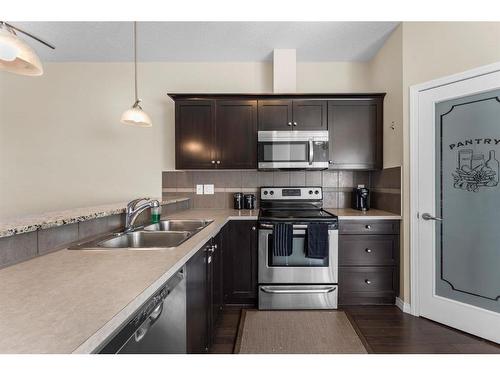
x=199, y=189
x=208, y=189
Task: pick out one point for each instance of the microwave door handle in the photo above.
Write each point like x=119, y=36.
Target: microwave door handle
x=311, y=152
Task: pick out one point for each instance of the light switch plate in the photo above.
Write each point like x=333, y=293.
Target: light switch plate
x=199, y=189
x=208, y=189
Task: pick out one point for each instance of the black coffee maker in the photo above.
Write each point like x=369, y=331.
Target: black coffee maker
x=361, y=198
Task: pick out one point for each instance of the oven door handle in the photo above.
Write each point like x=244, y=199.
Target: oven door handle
x=311, y=151
x=271, y=290
x=295, y=226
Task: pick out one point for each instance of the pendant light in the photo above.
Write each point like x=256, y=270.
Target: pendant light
x=15, y=55
x=135, y=115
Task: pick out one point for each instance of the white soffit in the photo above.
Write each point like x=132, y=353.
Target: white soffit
x=284, y=71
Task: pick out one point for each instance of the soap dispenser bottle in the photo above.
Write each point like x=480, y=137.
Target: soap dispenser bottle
x=155, y=214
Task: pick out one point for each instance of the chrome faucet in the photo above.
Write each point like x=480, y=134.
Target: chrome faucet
x=133, y=211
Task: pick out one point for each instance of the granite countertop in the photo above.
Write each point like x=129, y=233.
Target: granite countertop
x=70, y=301
x=10, y=227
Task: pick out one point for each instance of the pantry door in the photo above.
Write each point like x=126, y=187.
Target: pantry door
x=456, y=201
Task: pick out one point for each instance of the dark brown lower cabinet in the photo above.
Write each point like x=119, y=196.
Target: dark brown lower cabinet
x=198, y=301
x=215, y=290
x=368, y=262
x=240, y=263
x=204, y=299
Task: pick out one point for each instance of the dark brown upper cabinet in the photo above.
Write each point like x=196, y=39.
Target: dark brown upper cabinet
x=236, y=134
x=282, y=114
x=356, y=133
x=194, y=134
x=275, y=114
x=309, y=115
x=216, y=134
x=220, y=130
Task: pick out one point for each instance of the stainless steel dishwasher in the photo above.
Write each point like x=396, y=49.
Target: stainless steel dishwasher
x=160, y=324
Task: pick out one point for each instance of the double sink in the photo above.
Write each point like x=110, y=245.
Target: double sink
x=162, y=235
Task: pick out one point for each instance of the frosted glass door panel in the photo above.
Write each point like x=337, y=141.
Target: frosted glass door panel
x=468, y=200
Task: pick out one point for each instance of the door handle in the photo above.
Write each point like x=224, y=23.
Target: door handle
x=428, y=216
x=311, y=152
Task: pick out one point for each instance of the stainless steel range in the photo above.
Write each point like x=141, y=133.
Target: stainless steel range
x=294, y=276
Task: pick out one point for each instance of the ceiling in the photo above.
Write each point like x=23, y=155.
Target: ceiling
x=208, y=41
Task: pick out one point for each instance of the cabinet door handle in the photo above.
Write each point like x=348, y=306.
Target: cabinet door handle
x=213, y=161
x=368, y=281
x=218, y=161
x=368, y=250
x=368, y=226
x=294, y=123
x=254, y=228
x=289, y=124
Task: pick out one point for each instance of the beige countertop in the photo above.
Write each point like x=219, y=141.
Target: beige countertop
x=9, y=227
x=372, y=214
x=70, y=301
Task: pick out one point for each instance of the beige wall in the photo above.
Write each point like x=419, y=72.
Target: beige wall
x=386, y=75
x=432, y=50
x=61, y=143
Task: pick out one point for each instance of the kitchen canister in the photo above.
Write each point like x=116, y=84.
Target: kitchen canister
x=249, y=201
x=238, y=201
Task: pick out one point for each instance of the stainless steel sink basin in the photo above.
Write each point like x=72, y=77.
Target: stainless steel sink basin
x=190, y=225
x=163, y=235
x=139, y=240
x=142, y=239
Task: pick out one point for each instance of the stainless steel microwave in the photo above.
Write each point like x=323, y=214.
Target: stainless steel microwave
x=293, y=149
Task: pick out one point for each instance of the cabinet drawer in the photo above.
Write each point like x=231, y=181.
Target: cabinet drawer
x=368, y=250
x=369, y=227
x=367, y=285
x=366, y=279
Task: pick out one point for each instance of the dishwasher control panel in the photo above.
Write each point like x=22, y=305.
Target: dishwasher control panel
x=151, y=305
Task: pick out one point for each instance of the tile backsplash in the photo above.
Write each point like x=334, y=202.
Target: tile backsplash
x=337, y=185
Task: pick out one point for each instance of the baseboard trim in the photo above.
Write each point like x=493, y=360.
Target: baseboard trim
x=403, y=306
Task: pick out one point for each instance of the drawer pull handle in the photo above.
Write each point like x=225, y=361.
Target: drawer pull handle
x=368, y=226
x=368, y=250
x=368, y=281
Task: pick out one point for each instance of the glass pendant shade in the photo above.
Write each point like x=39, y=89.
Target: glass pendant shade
x=136, y=116
x=16, y=56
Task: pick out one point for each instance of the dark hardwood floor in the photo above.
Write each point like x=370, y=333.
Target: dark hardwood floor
x=383, y=330
x=226, y=330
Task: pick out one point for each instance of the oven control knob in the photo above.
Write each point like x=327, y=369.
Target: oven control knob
x=316, y=192
x=265, y=192
x=271, y=192
x=310, y=191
